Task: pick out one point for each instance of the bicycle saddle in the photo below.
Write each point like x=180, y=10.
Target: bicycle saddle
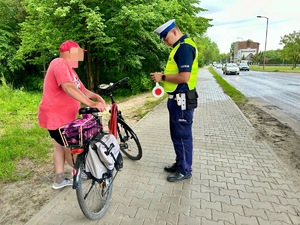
x=87, y=110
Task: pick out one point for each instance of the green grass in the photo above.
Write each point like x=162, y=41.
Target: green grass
x=23, y=144
x=21, y=139
x=288, y=69
x=234, y=94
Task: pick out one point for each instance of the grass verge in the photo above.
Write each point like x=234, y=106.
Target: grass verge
x=287, y=69
x=234, y=94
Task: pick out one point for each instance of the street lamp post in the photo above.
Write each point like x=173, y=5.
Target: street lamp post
x=265, y=39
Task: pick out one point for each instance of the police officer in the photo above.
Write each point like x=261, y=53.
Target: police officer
x=179, y=78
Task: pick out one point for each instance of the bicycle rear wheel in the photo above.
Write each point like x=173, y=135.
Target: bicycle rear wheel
x=129, y=142
x=93, y=197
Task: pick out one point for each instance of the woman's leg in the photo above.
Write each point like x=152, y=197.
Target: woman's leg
x=60, y=156
x=59, y=162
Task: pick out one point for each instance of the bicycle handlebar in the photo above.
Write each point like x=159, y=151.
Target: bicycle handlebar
x=109, y=88
x=112, y=86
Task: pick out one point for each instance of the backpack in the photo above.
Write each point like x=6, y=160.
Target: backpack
x=103, y=155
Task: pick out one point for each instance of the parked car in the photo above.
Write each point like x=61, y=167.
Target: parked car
x=231, y=68
x=218, y=65
x=244, y=66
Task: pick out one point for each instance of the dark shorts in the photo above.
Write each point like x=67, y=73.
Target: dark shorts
x=56, y=136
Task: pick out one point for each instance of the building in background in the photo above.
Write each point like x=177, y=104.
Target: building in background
x=244, y=51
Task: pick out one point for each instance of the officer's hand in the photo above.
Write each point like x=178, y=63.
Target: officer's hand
x=156, y=77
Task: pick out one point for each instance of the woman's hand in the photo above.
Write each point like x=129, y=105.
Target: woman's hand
x=99, y=105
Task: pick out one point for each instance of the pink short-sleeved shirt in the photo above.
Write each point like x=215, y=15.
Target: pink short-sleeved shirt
x=57, y=108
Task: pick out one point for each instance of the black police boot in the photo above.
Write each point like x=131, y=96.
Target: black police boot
x=178, y=177
x=172, y=168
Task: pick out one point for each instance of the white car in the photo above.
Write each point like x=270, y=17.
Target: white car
x=244, y=66
x=219, y=66
x=231, y=68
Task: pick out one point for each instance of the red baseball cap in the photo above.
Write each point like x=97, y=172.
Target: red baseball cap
x=67, y=45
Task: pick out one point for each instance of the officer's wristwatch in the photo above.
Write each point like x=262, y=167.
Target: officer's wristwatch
x=163, y=77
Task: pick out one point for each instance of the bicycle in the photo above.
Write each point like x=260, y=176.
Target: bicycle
x=94, y=196
x=129, y=142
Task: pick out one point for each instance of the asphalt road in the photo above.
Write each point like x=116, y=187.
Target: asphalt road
x=280, y=90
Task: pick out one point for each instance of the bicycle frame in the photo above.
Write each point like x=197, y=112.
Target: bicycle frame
x=113, y=118
x=128, y=140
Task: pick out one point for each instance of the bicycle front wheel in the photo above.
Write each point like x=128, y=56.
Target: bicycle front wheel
x=129, y=142
x=93, y=197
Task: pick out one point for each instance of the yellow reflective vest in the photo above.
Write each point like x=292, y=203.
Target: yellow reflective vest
x=172, y=69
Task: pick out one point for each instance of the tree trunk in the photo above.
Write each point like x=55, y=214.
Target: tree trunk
x=90, y=76
x=97, y=72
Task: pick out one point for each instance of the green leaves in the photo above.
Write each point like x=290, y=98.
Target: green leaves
x=291, y=49
x=62, y=11
x=208, y=50
x=118, y=34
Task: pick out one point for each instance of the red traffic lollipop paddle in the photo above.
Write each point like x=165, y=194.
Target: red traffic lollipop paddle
x=158, y=91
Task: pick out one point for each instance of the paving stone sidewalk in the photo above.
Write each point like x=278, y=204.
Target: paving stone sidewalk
x=236, y=179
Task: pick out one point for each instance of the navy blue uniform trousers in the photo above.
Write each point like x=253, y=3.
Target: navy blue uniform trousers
x=181, y=134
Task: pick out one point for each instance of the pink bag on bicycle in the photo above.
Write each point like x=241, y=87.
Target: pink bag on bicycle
x=87, y=125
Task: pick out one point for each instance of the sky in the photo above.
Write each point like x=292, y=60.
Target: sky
x=236, y=20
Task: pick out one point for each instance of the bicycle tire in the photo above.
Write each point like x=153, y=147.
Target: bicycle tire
x=128, y=140
x=93, y=197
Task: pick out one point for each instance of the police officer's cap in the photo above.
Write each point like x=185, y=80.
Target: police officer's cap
x=163, y=30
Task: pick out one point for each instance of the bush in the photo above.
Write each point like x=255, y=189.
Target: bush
x=140, y=83
x=33, y=83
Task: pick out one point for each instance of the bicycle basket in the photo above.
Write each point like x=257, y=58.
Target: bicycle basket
x=75, y=133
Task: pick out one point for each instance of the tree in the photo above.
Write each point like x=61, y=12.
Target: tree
x=291, y=49
x=274, y=56
x=118, y=35
x=48, y=24
x=11, y=15
x=259, y=58
x=232, y=49
x=224, y=57
x=208, y=50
